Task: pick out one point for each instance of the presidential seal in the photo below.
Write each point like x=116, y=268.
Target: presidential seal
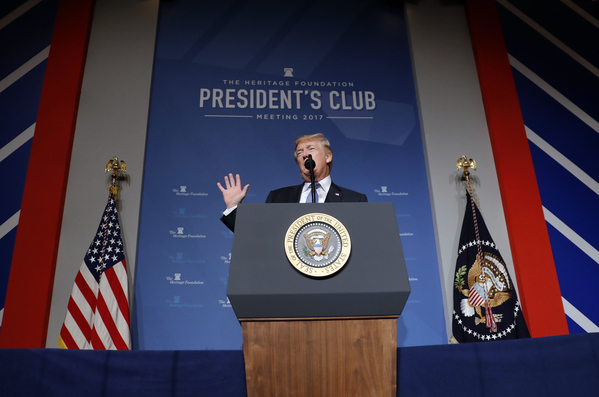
x=317, y=245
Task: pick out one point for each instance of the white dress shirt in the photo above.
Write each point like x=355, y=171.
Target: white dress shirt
x=322, y=191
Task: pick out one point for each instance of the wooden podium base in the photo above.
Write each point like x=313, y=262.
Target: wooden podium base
x=330, y=357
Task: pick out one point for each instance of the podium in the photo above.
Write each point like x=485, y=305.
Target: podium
x=333, y=335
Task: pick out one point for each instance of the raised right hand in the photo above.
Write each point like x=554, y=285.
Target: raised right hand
x=233, y=193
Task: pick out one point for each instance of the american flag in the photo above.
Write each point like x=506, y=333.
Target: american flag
x=98, y=310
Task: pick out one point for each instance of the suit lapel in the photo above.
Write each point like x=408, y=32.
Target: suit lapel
x=296, y=193
x=335, y=194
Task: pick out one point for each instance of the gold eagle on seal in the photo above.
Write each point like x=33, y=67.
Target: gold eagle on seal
x=488, y=281
x=318, y=243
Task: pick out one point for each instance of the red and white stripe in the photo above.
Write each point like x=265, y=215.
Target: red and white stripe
x=474, y=298
x=98, y=313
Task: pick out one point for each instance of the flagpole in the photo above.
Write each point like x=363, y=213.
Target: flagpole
x=98, y=310
x=464, y=162
x=482, y=282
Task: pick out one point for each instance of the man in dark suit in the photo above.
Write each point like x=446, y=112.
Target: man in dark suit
x=326, y=191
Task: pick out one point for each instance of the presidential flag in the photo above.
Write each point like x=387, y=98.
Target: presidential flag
x=98, y=310
x=485, y=302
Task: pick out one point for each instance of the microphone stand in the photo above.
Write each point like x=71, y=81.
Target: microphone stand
x=310, y=164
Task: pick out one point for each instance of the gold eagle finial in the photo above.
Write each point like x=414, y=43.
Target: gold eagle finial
x=465, y=163
x=115, y=165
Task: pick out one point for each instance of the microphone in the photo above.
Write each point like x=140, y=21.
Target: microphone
x=310, y=164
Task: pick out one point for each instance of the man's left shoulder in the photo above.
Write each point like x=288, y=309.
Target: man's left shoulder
x=348, y=194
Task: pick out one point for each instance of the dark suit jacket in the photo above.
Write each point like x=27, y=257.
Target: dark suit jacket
x=292, y=194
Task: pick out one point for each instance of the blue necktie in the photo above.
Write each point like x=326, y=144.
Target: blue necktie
x=309, y=199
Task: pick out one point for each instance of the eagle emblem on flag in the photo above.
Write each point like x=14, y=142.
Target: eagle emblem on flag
x=487, y=281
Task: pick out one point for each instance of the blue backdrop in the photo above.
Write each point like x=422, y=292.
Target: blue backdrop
x=235, y=82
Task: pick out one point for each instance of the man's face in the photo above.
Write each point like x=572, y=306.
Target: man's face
x=320, y=157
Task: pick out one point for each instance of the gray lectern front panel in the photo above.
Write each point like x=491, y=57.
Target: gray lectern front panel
x=264, y=284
